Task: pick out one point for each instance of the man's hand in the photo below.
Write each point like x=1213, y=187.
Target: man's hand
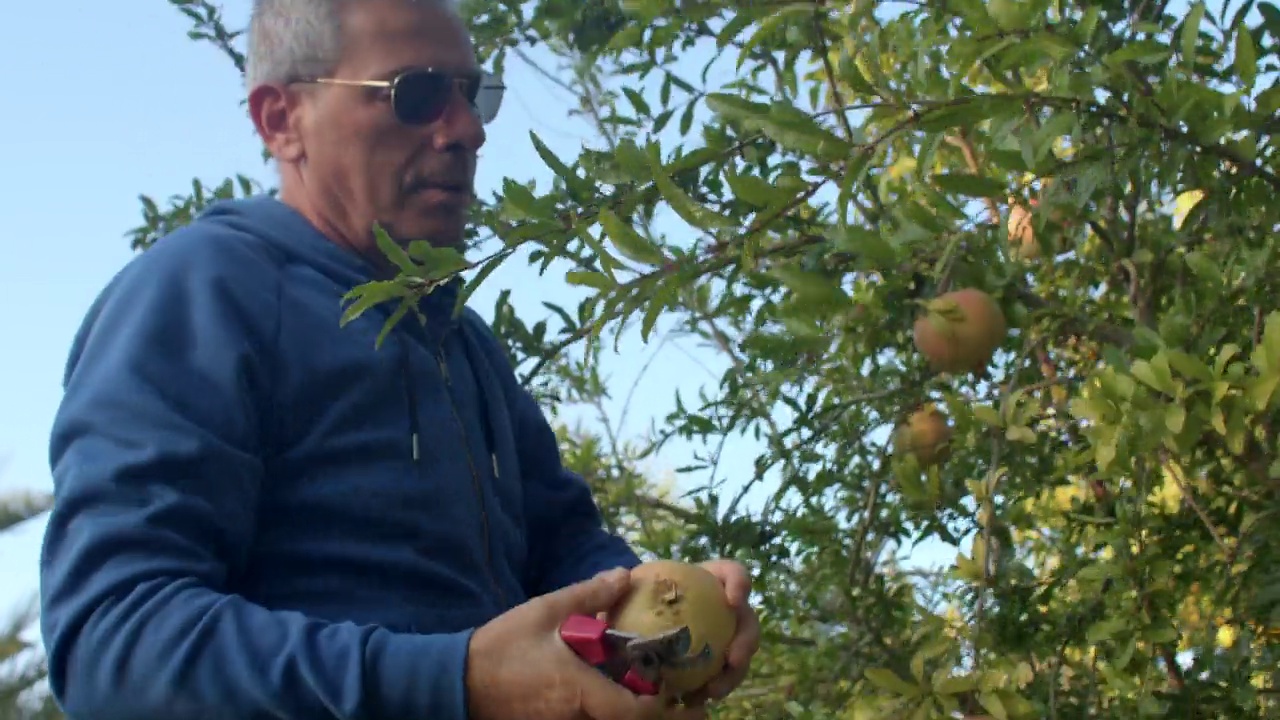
x=746, y=641
x=518, y=667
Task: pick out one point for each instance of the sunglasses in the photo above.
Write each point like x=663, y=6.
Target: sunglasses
x=421, y=97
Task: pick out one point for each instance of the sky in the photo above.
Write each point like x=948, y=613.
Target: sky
x=125, y=104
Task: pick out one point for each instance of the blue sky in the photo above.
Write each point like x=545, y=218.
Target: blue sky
x=126, y=104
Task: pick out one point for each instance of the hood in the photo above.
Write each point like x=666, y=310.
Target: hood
x=291, y=234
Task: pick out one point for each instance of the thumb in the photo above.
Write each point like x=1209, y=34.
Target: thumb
x=593, y=596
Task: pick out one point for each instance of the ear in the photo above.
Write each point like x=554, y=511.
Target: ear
x=276, y=113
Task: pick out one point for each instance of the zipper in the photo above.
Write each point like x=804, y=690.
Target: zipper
x=475, y=475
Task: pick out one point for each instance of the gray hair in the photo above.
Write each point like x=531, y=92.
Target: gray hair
x=291, y=39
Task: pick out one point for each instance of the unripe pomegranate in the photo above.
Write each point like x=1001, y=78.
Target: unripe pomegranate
x=667, y=595
x=960, y=331
x=926, y=435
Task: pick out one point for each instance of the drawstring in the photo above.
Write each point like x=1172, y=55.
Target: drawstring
x=411, y=387
x=411, y=391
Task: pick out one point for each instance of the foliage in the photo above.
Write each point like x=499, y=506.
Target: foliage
x=1112, y=480
x=22, y=668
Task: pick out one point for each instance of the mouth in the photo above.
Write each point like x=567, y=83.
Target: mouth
x=441, y=190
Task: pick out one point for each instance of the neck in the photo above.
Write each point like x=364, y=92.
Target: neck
x=344, y=231
x=338, y=230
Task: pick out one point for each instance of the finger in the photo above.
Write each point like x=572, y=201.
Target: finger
x=604, y=699
x=746, y=641
x=691, y=706
x=695, y=699
x=686, y=712
x=726, y=682
x=733, y=576
x=590, y=597
x=737, y=665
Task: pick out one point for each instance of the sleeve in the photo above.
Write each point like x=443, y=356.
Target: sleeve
x=155, y=454
x=567, y=539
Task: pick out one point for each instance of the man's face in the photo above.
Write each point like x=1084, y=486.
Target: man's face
x=364, y=162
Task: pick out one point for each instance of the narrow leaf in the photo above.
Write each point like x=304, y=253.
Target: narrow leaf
x=631, y=244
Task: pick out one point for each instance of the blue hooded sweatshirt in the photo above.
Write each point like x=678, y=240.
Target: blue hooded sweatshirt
x=259, y=515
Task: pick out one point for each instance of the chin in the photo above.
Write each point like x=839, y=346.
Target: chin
x=440, y=233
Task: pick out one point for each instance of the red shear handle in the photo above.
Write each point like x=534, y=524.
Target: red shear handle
x=589, y=638
x=637, y=684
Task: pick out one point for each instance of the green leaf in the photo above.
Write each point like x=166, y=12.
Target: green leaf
x=1155, y=374
x=848, y=72
x=956, y=685
x=1143, y=52
x=485, y=271
x=392, y=320
x=18, y=507
x=394, y=252
x=1104, y=450
x=608, y=263
x=734, y=107
x=576, y=185
x=797, y=130
x=437, y=262
x=584, y=278
x=1105, y=629
x=1246, y=56
x=1190, y=33
x=889, y=680
x=1020, y=433
x=363, y=297
x=756, y=190
x=1092, y=409
x=1010, y=15
x=683, y=205
x=968, y=184
x=783, y=123
x=632, y=161
x=1262, y=391
x=1204, y=268
x=1265, y=358
x=637, y=101
x=811, y=285
x=518, y=203
x=770, y=25
x=656, y=303
x=631, y=244
x=966, y=112
x=872, y=250
x=992, y=704
x=530, y=230
x=1187, y=366
x=987, y=415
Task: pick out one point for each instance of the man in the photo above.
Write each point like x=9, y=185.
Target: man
x=260, y=515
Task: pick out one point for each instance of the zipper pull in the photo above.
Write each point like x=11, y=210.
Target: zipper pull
x=414, y=439
x=494, y=458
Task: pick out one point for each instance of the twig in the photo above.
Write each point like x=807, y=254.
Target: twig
x=961, y=141
x=1175, y=472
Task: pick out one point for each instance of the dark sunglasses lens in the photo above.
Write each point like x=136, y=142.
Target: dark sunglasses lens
x=421, y=97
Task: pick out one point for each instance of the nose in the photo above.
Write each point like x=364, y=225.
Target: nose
x=459, y=127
